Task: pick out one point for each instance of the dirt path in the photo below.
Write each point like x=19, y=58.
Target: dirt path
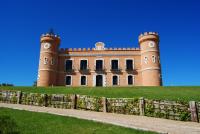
x=137, y=122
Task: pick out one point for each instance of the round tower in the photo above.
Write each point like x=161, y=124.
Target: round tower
x=48, y=59
x=150, y=59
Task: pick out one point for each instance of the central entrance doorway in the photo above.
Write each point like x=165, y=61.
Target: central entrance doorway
x=99, y=80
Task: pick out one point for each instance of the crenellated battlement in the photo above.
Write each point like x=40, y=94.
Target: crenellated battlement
x=50, y=35
x=147, y=33
x=63, y=50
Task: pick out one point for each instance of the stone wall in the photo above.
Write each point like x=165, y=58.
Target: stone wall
x=123, y=106
x=167, y=109
x=59, y=101
x=9, y=97
x=90, y=103
x=175, y=110
x=35, y=99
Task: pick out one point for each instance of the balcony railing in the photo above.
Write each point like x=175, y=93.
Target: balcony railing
x=84, y=70
x=102, y=69
x=115, y=69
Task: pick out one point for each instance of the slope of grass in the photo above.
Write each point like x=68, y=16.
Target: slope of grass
x=42, y=123
x=165, y=93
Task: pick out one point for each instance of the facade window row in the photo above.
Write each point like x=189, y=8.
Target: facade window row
x=153, y=58
x=99, y=65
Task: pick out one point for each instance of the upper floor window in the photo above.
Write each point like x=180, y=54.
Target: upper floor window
x=83, y=65
x=68, y=65
x=129, y=64
x=114, y=65
x=99, y=64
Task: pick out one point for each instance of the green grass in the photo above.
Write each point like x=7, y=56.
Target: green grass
x=164, y=93
x=43, y=123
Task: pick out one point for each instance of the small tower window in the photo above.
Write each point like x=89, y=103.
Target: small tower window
x=68, y=80
x=115, y=80
x=45, y=60
x=52, y=61
x=153, y=58
x=83, y=80
x=145, y=59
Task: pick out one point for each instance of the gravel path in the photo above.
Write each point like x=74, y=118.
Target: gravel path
x=137, y=122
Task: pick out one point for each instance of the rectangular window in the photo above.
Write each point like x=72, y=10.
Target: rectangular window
x=83, y=65
x=68, y=65
x=83, y=80
x=99, y=64
x=115, y=80
x=114, y=64
x=68, y=80
x=130, y=80
x=129, y=64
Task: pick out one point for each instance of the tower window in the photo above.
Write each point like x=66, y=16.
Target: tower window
x=52, y=61
x=83, y=65
x=68, y=65
x=83, y=80
x=45, y=60
x=145, y=59
x=68, y=80
x=129, y=64
x=115, y=80
x=153, y=58
x=114, y=65
x=130, y=80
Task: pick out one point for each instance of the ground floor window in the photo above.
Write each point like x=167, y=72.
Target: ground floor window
x=130, y=80
x=115, y=80
x=68, y=80
x=83, y=80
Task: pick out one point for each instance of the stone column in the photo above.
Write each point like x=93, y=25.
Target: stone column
x=194, y=112
x=104, y=104
x=19, y=94
x=142, y=106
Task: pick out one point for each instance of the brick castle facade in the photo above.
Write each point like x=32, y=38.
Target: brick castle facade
x=99, y=66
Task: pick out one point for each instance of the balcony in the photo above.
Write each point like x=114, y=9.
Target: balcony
x=116, y=70
x=84, y=70
x=99, y=69
x=70, y=70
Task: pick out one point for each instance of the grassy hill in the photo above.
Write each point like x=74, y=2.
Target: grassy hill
x=165, y=93
x=42, y=123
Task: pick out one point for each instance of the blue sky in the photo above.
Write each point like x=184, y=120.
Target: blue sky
x=115, y=22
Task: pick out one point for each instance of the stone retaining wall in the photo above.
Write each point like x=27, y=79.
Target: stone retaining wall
x=175, y=110
x=167, y=109
x=90, y=103
x=123, y=106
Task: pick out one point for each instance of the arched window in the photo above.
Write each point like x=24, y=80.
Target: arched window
x=68, y=80
x=130, y=80
x=153, y=58
x=115, y=80
x=83, y=80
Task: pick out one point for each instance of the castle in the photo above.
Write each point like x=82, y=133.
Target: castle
x=99, y=66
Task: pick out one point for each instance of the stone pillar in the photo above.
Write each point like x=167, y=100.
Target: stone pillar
x=104, y=100
x=19, y=95
x=194, y=112
x=142, y=106
x=74, y=101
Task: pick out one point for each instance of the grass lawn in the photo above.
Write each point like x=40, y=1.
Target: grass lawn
x=43, y=123
x=165, y=93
